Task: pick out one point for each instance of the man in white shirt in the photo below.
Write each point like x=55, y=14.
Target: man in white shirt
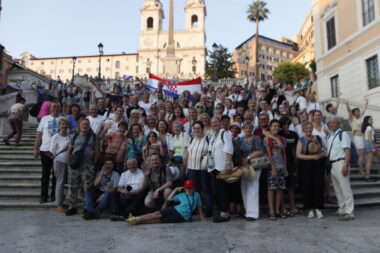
x=48, y=126
x=301, y=101
x=130, y=193
x=95, y=119
x=339, y=151
x=312, y=104
x=221, y=149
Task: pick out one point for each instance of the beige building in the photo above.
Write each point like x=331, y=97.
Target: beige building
x=189, y=50
x=271, y=53
x=347, y=49
x=306, y=42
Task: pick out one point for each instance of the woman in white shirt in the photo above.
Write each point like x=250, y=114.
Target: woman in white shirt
x=58, y=151
x=320, y=128
x=370, y=148
x=196, y=152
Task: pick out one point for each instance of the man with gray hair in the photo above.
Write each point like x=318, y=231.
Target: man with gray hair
x=130, y=193
x=47, y=127
x=339, y=152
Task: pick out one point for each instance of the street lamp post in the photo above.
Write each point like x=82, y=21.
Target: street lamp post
x=247, y=65
x=74, y=61
x=214, y=76
x=100, y=47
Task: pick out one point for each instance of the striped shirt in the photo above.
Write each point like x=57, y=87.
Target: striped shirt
x=196, y=149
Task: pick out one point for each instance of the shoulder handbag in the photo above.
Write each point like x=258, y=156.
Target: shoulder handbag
x=327, y=160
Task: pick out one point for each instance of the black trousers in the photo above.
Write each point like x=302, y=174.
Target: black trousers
x=47, y=168
x=123, y=205
x=223, y=193
x=312, y=179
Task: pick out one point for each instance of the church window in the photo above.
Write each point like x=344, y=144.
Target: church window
x=194, y=21
x=149, y=23
x=117, y=64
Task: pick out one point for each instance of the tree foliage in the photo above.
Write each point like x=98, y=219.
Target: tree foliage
x=290, y=73
x=257, y=11
x=219, y=63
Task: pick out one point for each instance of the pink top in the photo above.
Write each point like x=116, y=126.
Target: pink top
x=45, y=109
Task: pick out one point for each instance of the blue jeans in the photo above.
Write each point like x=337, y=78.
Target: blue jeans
x=203, y=182
x=90, y=197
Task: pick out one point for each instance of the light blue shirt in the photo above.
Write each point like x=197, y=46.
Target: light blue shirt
x=338, y=145
x=187, y=204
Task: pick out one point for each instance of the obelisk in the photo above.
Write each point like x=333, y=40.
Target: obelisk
x=171, y=62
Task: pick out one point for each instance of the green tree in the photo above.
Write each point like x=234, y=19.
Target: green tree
x=219, y=64
x=257, y=12
x=290, y=73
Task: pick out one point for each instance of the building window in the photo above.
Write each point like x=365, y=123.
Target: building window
x=31, y=63
x=117, y=75
x=117, y=64
x=334, y=81
x=52, y=62
x=368, y=7
x=147, y=70
x=42, y=63
x=262, y=77
x=373, y=72
x=330, y=28
x=194, y=69
x=88, y=70
x=107, y=69
x=79, y=61
x=89, y=61
x=52, y=71
x=61, y=71
x=79, y=70
x=137, y=69
x=194, y=21
x=149, y=23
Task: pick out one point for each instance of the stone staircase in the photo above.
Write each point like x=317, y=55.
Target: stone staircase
x=20, y=175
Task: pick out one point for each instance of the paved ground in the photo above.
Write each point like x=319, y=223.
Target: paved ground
x=47, y=231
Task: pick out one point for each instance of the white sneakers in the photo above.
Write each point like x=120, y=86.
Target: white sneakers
x=310, y=215
x=317, y=214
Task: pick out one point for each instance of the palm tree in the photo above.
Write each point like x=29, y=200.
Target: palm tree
x=257, y=12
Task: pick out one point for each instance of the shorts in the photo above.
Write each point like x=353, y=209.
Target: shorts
x=292, y=179
x=170, y=215
x=367, y=148
x=358, y=141
x=277, y=183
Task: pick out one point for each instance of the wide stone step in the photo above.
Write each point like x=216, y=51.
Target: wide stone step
x=366, y=185
x=4, y=171
x=359, y=177
x=25, y=204
x=12, y=148
x=20, y=194
x=20, y=163
x=17, y=158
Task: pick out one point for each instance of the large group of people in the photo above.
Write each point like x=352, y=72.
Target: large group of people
x=146, y=157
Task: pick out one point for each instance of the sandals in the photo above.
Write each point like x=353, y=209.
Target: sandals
x=289, y=213
x=220, y=219
x=272, y=217
x=282, y=215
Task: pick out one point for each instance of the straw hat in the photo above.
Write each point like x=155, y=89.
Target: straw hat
x=249, y=173
x=233, y=177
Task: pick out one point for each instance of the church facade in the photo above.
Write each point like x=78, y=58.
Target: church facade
x=167, y=53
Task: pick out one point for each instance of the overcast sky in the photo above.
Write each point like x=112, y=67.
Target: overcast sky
x=53, y=28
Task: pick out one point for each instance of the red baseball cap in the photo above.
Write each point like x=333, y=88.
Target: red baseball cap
x=189, y=184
